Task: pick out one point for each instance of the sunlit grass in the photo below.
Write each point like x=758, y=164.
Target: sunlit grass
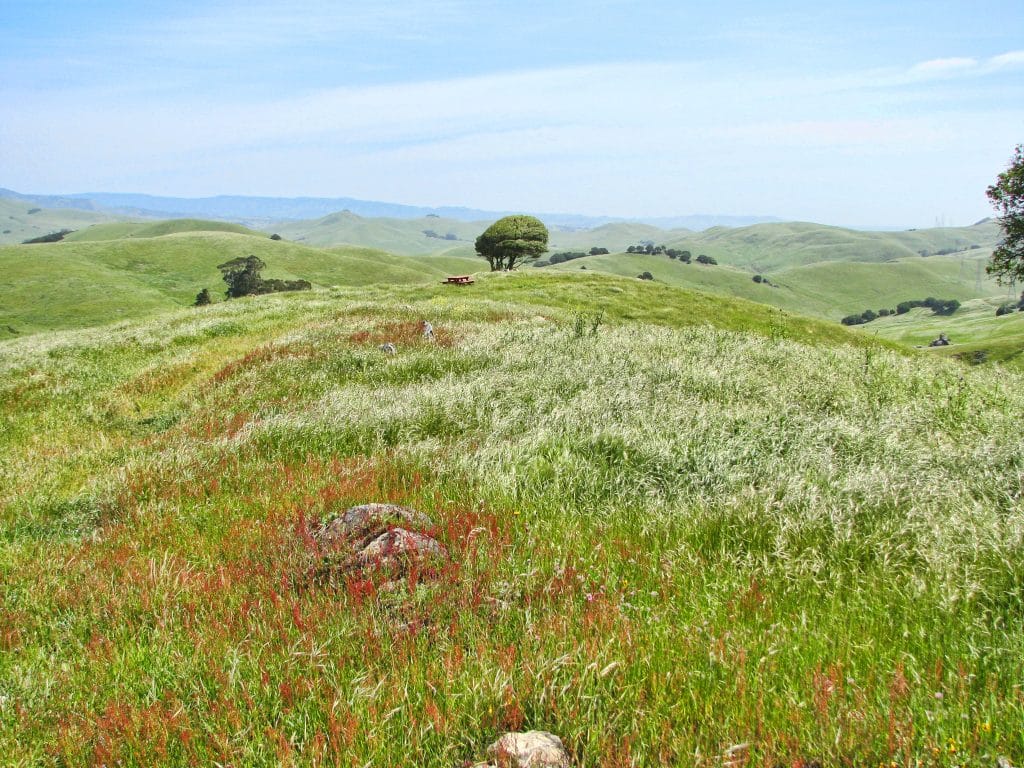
x=670, y=539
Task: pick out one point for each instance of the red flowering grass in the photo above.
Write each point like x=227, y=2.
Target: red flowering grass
x=265, y=354
x=402, y=333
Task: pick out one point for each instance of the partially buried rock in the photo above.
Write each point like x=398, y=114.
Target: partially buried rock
x=375, y=536
x=532, y=749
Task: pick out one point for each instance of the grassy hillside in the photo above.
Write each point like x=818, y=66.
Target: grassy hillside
x=81, y=283
x=614, y=237
x=977, y=335
x=407, y=236
x=18, y=225
x=706, y=534
x=769, y=247
x=829, y=289
x=761, y=247
x=119, y=230
x=402, y=236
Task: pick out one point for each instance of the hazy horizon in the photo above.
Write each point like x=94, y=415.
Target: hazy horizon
x=873, y=116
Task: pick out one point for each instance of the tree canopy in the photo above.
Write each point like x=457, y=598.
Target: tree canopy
x=243, y=278
x=242, y=275
x=1007, y=196
x=512, y=240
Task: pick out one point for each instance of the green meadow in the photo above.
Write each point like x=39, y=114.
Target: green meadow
x=683, y=529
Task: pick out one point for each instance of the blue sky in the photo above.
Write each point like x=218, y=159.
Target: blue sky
x=869, y=113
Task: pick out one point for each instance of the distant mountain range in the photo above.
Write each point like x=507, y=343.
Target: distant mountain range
x=257, y=211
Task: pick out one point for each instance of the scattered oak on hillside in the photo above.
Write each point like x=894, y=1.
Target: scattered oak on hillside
x=243, y=278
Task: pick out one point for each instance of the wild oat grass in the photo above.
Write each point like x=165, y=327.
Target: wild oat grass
x=673, y=544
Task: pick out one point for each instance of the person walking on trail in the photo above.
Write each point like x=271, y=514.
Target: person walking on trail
x=428, y=330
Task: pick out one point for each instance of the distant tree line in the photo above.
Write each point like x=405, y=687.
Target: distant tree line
x=948, y=251
x=648, y=247
x=563, y=256
x=447, y=236
x=53, y=237
x=938, y=306
x=764, y=281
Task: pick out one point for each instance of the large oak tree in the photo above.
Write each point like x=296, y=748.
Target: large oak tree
x=1007, y=196
x=512, y=240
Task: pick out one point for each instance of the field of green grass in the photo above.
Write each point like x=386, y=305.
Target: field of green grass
x=704, y=532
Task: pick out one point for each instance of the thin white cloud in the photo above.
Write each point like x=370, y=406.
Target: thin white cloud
x=956, y=66
x=1006, y=60
x=944, y=66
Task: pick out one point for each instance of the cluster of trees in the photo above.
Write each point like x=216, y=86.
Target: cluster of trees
x=446, y=236
x=1011, y=306
x=558, y=258
x=243, y=278
x=938, y=306
x=685, y=257
x=511, y=241
x=764, y=281
x=866, y=316
x=648, y=247
x=53, y=237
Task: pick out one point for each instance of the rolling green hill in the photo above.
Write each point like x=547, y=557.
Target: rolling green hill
x=614, y=237
x=121, y=230
x=693, y=530
x=118, y=270
x=18, y=225
x=977, y=335
x=828, y=289
x=407, y=236
x=87, y=282
x=769, y=247
x=402, y=236
x=761, y=247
